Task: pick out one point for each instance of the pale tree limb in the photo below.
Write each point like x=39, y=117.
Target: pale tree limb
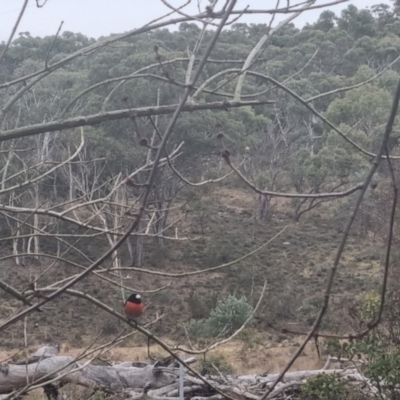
x=196, y=49
x=117, y=284
x=134, y=75
x=61, y=216
x=288, y=79
x=119, y=114
x=26, y=299
x=14, y=292
x=261, y=43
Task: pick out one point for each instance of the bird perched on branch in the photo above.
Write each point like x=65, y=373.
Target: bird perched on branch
x=133, y=307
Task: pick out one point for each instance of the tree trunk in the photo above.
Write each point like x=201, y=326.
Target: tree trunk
x=263, y=207
x=138, y=254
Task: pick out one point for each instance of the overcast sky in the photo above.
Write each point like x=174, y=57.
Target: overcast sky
x=96, y=18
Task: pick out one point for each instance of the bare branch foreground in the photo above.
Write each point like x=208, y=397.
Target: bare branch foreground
x=157, y=380
x=120, y=114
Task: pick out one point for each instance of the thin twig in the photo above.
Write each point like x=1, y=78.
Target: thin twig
x=21, y=13
x=202, y=271
x=52, y=45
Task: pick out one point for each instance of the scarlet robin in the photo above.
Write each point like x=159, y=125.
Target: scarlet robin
x=133, y=307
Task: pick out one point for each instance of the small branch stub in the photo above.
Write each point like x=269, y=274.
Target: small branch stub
x=225, y=155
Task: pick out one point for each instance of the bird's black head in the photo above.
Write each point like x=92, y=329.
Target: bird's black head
x=135, y=298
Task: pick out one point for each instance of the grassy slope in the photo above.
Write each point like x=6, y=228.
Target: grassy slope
x=295, y=273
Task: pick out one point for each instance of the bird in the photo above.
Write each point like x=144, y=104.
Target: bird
x=133, y=307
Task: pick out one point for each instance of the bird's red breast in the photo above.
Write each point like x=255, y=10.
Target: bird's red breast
x=133, y=310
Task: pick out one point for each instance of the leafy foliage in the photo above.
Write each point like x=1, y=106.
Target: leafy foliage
x=324, y=387
x=379, y=351
x=226, y=318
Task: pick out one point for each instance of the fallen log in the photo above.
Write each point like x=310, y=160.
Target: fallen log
x=46, y=364
x=158, y=381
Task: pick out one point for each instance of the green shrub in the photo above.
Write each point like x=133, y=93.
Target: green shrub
x=226, y=318
x=229, y=316
x=198, y=329
x=324, y=387
x=382, y=365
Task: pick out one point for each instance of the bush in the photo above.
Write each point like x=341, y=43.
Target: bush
x=324, y=387
x=198, y=329
x=382, y=366
x=229, y=316
x=379, y=349
x=226, y=318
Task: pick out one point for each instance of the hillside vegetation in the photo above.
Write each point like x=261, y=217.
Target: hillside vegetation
x=345, y=67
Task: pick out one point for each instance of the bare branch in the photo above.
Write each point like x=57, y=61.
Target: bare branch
x=202, y=271
x=21, y=13
x=46, y=62
x=292, y=195
x=14, y=292
x=119, y=114
x=347, y=88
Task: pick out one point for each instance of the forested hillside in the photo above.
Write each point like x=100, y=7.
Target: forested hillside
x=83, y=125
